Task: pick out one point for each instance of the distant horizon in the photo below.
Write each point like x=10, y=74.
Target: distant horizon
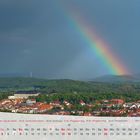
x=27, y=75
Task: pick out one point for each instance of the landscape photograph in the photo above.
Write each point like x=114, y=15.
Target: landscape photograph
x=74, y=58
x=118, y=97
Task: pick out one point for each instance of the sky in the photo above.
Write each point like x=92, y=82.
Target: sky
x=38, y=36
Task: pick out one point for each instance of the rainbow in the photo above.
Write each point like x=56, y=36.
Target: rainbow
x=100, y=48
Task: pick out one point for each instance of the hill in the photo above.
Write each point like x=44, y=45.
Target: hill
x=19, y=82
x=67, y=86
x=118, y=78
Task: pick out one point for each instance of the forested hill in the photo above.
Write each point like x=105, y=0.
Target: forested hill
x=67, y=86
x=118, y=78
x=16, y=82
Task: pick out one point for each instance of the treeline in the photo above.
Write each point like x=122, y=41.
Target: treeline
x=4, y=95
x=70, y=89
x=66, y=86
x=74, y=98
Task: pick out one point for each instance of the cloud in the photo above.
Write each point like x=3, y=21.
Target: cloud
x=26, y=51
x=38, y=36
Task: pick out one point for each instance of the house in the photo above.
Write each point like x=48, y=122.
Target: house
x=96, y=113
x=87, y=114
x=82, y=103
x=80, y=113
x=134, y=106
x=18, y=101
x=127, y=105
x=106, y=106
x=117, y=112
x=117, y=101
x=55, y=103
x=30, y=101
x=105, y=101
x=66, y=103
x=62, y=113
x=132, y=114
x=11, y=97
x=25, y=94
x=44, y=107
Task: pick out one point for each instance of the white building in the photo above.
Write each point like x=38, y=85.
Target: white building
x=23, y=94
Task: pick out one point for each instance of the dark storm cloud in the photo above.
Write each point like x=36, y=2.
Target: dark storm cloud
x=37, y=36
x=30, y=36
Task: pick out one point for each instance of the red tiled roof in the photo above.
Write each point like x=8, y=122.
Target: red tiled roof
x=45, y=107
x=87, y=114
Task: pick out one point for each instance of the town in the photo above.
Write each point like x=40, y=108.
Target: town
x=25, y=102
